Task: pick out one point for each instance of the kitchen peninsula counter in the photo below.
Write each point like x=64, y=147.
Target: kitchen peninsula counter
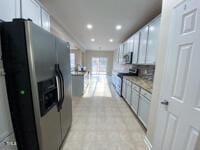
x=80, y=82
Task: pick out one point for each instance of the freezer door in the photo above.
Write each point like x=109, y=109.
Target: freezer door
x=63, y=58
x=42, y=60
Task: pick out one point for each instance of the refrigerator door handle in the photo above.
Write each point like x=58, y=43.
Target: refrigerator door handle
x=58, y=88
x=62, y=90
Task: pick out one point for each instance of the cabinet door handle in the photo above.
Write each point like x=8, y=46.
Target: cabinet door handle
x=165, y=102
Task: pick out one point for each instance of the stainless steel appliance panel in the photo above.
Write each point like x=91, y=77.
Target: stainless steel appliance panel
x=42, y=46
x=63, y=59
x=44, y=53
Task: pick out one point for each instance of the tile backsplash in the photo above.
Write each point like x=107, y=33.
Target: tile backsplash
x=145, y=71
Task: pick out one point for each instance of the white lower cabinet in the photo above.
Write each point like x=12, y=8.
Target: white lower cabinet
x=124, y=89
x=113, y=79
x=128, y=95
x=143, y=109
x=138, y=99
x=135, y=100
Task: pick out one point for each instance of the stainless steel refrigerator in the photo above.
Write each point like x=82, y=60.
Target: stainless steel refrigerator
x=38, y=80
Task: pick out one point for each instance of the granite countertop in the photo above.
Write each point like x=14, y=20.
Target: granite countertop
x=79, y=73
x=141, y=82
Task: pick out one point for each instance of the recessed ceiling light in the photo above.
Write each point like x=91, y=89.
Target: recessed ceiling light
x=89, y=26
x=111, y=40
x=93, y=40
x=118, y=27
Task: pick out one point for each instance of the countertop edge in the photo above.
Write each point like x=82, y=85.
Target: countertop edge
x=136, y=83
x=79, y=73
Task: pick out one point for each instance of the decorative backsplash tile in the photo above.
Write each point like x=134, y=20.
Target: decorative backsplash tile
x=145, y=71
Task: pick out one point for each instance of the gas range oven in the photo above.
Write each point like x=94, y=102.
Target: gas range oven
x=117, y=80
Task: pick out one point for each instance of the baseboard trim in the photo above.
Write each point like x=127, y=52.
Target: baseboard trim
x=148, y=143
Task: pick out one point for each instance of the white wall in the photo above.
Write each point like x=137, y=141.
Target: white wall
x=78, y=56
x=164, y=37
x=58, y=30
x=88, y=54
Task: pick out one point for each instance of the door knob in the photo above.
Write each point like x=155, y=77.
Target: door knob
x=165, y=102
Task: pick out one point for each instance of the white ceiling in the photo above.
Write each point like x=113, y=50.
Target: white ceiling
x=104, y=15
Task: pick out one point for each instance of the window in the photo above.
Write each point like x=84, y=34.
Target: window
x=72, y=61
x=99, y=65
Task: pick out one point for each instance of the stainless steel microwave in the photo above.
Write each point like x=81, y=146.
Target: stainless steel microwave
x=128, y=58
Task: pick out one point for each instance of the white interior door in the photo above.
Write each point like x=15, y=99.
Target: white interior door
x=178, y=123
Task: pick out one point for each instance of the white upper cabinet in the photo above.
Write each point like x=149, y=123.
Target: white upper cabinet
x=126, y=47
x=128, y=92
x=136, y=47
x=124, y=86
x=143, y=44
x=153, y=41
x=31, y=10
x=131, y=44
x=9, y=9
x=121, y=53
x=45, y=20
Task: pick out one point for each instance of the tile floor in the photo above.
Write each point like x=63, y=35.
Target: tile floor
x=103, y=121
